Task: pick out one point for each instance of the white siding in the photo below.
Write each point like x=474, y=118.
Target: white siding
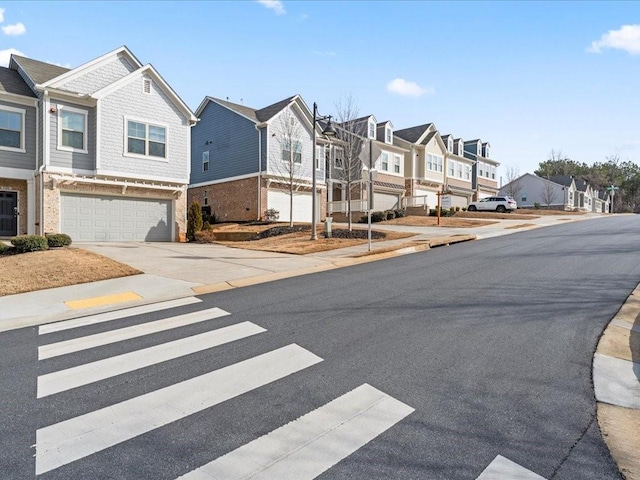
x=100, y=77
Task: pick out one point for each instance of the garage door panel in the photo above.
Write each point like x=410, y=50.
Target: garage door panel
x=95, y=218
x=384, y=201
x=302, y=201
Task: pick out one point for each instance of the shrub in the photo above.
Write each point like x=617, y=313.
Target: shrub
x=194, y=221
x=3, y=247
x=464, y=209
x=58, y=240
x=457, y=209
x=206, y=226
x=452, y=210
x=391, y=214
x=536, y=205
x=378, y=216
x=271, y=215
x=205, y=236
x=29, y=243
x=400, y=213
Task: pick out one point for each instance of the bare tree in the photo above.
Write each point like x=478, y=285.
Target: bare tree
x=286, y=161
x=348, y=147
x=513, y=186
x=549, y=193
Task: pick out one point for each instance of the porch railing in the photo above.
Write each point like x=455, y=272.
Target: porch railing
x=415, y=201
x=341, y=206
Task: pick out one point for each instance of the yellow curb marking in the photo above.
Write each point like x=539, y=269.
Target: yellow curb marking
x=104, y=300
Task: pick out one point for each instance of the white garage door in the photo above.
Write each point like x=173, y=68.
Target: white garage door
x=385, y=201
x=99, y=218
x=280, y=199
x=432, y=198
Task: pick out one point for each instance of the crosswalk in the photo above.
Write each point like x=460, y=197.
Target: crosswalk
x=302, y=449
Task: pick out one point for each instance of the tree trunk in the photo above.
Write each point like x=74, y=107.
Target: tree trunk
x=349, y=205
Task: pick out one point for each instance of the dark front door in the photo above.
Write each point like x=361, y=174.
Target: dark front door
x=8, y=214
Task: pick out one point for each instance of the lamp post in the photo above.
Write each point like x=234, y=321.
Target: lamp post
x=328, y=131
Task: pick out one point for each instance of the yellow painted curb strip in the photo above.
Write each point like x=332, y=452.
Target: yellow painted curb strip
x=104, y=300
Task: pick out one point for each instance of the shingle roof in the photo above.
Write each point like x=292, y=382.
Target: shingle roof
x=581, y=184
x=12, y=82
x=428, y=138
x=412, y=134
x=393, y=186
x=562, y=179
x=39, y=72
x=266, y=113
x=260, y=115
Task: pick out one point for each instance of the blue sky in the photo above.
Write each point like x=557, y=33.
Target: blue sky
x=526, y=77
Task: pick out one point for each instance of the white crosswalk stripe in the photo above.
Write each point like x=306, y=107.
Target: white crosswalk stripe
x=306, y=447
x=95, y=371
x=105, y=338
x=73, y=439
x=116, y=315
x=502, y=468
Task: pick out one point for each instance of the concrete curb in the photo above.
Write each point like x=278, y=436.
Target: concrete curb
x=346, y=262
x=616, y=381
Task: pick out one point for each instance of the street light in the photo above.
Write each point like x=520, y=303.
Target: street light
x=328, y=131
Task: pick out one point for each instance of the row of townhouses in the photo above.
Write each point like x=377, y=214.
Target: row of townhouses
x=108, y=151
x=560, y=192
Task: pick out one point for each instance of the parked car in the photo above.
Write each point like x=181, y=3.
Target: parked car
x=497, y=204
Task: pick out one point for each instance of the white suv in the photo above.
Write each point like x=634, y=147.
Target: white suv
x=495, y=204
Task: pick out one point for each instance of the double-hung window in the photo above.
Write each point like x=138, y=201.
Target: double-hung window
x=12, y=129
x=205, y=161
x=459, y=169
x=338, y=157
x=146, y=139
x=451, y=170
x=320, y=156
x=291, y=151
x=396, y=163
x=372, y=130
x=72, y=129
x=467, y=172
x=388, y=135
x=385, y=161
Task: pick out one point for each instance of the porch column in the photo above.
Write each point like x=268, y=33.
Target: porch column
x=31, y=207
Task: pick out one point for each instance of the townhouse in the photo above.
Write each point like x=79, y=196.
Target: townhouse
x=484, y=170
x=100, y=152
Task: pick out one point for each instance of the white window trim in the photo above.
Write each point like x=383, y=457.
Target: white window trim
x=137, y=155
x=389, y=131
x=23, y=113
x=321, y=154
x=451, y=169
x=397, y=162
x=382, y=167
x=292, y=142
x=335, y=165
x=207, y=162
x=85, y=136
x=372, y=131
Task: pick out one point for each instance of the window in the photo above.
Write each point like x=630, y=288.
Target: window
x=385, y=161
x=493, y=173
x=450, y=145
x=396, y=163
x=11, y=128
x=146, y=85
x=206, y=198
x=388, y=137
x=467, y=172
x=451, y=170
x=320, y=155
x=338, y=157
x=459, y=170
x=72, y=129
x=205, y=161
x=288, y=154
x=523, y=197
x=372, y=130
x=434, y=162
x=146, y=139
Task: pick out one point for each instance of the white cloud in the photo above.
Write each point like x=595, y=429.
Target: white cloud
x=400, y=86
x=13, y=30
x=1, y=15
x=276, y=5
x=5, y=55
x=627, y=38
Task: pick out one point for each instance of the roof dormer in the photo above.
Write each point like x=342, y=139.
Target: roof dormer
x=458, y=147
x=485, y=149
x=385, y=132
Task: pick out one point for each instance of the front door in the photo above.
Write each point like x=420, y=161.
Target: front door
x=8, y=214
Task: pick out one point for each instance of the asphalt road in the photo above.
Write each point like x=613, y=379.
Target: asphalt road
x=489, y=342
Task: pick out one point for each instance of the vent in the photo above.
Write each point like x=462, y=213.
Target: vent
x=146, y=85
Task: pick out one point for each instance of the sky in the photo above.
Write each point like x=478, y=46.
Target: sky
x=527, y=77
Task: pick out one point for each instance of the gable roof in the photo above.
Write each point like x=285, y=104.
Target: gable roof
x=581, y=184
x=11, y=82
x=269, y=112
x=412, y=134
x=565, y=180
x=258, y=116
x=39, y=72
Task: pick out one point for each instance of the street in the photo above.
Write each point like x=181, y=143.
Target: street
x=426, y=366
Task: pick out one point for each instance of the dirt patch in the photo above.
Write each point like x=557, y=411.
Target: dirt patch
x=521, y=225
x=450, y=222
x=60, y=267
x=495, y=215
x=300, y=243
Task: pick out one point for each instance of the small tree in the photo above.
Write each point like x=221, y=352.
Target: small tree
x=549, y=192
x=194, y=220
x=513, y=186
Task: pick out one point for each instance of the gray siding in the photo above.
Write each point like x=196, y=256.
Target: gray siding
x=233, y=148
x=100, y=77
x=26, y=160
x=64, y=158
x=263, y=140
x=130, y=103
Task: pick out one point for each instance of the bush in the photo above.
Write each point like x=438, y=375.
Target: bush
x=457, y=209
x=205, y=236
x=271, y=215
x=194, y=221
x=29, y=243
x=58, y=240
x=390, y=214
x=400, y=213
x=536, y=205
x=378, y=217
x=206, y=226
x=3, y=247
x=464, y=209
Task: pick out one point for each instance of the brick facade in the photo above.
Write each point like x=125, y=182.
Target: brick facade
x=19, y=186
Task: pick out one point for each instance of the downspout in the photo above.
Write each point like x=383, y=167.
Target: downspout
x=259, y=172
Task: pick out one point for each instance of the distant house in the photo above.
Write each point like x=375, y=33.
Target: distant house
x=484, y=176
x=458, y=172
x=244, y=160
x=561, y=192
x=99, y=152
